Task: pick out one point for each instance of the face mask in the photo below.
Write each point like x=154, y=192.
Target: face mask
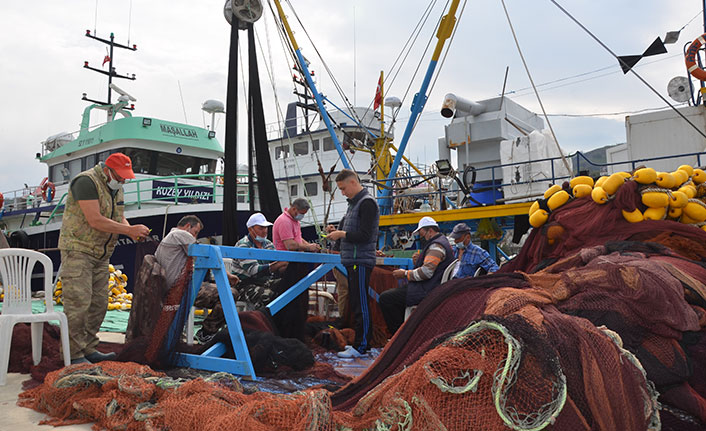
x=114, y=184
x=260, y=238
x=299, y=217
x=461, y=245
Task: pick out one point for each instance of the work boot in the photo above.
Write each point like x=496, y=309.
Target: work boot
x=81, y=360
x=98, y=356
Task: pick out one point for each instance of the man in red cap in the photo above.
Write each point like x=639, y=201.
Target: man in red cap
x=92, y=221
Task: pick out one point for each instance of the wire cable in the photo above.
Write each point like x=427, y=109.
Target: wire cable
x=699, y=131
x=539, y=99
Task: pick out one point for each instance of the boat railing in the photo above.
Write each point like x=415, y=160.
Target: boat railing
x=441, y=192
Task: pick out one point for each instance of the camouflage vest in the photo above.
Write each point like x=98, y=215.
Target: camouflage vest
x=76, y=234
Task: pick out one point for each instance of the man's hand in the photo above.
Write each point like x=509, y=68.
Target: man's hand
x=415, y=256
x=336, y=235
x=138, y=232
x=233, y=279
x=379, y=253
x=278, y=266
x=399, y=273
x=312, y=247
x=330, y=228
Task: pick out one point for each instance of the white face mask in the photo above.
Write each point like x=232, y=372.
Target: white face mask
x=260, y=238
x=299, y=217
x=113, y=184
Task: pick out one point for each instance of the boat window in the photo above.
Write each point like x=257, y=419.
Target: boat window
x=89, y=161
x=281, y=152
x=301, y=148
x=172, y=164
x=242, y=196
x=104, y=155
x=311, y=188
x=293, y=190
x=56, y=173
x=328, y=144
x=140, y=159
x=74, y=167
x=315, y=145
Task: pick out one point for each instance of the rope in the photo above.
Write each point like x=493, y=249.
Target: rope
x=539, y=99
x=699, y=131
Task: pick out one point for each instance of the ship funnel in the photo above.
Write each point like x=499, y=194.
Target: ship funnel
x=454, y=105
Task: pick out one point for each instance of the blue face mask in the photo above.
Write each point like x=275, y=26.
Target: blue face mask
x=461, y=245
x=260, y=238
x=299, y=217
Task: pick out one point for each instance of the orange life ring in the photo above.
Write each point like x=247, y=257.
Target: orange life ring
x=48, y=190
x=690, y=58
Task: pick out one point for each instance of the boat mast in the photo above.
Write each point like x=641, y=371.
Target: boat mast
x=317, y=96
x=111, y=70
x=444, y=32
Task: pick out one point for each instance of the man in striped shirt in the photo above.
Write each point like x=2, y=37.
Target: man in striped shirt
x=436, y=254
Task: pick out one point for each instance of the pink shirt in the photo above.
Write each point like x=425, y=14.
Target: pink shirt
x=286, y=227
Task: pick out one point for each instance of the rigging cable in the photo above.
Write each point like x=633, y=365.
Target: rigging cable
x=539, y=99
x=699, y=131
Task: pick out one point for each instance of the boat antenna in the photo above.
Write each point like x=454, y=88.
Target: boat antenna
x=539, y=99
x=355, y=78
x=95, y=19
x=181, y=95
x=129, y=23
x=622, y=63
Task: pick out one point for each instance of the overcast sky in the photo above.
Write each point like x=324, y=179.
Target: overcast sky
x=185, y=43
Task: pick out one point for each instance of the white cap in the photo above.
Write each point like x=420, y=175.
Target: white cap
x=425, y=222
x=257, y=219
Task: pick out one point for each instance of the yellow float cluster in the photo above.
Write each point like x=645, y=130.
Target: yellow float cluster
x=678, y=195
x=2, y=293
x=118, y=298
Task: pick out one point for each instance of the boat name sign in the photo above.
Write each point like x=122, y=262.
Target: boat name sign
x=181, y=132
x=186, y=193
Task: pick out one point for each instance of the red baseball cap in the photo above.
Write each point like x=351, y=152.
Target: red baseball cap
x=121, y=164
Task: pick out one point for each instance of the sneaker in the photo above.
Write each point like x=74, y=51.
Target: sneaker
x=98, y=356
x=350, y=352
x=202, y=337
x=81, y=360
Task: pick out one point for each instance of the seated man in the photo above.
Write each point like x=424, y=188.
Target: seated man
x=470, y=256
x=435, y=256
x=257, y=277
x=172, y=253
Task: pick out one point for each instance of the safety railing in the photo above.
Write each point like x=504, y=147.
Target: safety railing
x=494, y=182
x=210, y=258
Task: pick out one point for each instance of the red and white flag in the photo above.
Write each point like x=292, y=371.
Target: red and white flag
x=378, y=94
x=106, y=59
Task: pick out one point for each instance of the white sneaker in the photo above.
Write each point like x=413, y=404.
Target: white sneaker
x=350, y=352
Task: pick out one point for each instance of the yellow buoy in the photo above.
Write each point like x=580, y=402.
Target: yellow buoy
x=674, y=213
x=634, y=216
x=645, y=175
x=678, y=200
x=699, y=176
x=111, y=268
x=655, y=199
x=695, y=211
x=666, y=180
x=689, y=191
x=655, y=213
x=551, y=190
x=613, y=182
x=686, y=168
x=599, y=195
x=680, y=176
x=557, y=199
x=581, y=190
x=538, y=218
x=534, y=207
x=600, y=181
x=581, y=180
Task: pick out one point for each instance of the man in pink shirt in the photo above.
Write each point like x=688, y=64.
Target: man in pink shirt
x=287, y=231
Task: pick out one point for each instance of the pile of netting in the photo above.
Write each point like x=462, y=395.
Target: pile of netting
x=601, y=328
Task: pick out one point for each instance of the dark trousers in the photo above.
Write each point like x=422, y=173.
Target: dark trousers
x=393, y=303
x=291, y=320
x=358, y=282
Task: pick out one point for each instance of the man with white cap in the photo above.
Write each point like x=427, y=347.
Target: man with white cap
x=436, y=254
x=249, y=270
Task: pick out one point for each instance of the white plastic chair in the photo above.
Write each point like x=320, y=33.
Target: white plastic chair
x=449, y=271
x=16, y=267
